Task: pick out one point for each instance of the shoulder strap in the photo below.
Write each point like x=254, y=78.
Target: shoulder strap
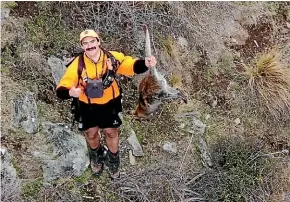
x=115, y=63
x=76, y=52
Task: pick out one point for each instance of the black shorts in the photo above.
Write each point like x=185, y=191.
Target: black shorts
x=101, y=115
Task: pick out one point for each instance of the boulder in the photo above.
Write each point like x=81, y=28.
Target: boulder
x=24, y=113
x=57, y=67
x=10, y=184
x=69, y=156
x=134, y=143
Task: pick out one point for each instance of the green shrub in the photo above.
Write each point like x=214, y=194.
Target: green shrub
x=32, y=188
x=241, y=173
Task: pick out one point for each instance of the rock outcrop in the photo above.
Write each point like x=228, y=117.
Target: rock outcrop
x=24, y=113
x=68, y=156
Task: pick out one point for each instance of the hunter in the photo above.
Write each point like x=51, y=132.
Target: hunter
x=90, y=78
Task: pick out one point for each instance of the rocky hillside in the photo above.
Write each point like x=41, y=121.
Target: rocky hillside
x=229, y=142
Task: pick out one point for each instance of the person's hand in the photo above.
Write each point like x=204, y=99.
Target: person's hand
x=150, y=62
x=75, y=92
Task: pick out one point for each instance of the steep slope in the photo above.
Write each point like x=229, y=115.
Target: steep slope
x=222, y=145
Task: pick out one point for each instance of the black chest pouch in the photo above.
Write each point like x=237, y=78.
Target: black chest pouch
x=95, y=88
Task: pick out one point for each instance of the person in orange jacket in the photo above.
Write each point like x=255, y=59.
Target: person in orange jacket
x=99, y=107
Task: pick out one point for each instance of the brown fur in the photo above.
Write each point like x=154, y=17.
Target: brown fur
x=148, y=87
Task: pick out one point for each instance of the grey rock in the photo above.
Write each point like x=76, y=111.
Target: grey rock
x=10, y=183
x=17, y=112
x=5, y=13
x=198, y=125
x=69, y=152
x=198, y=128
x=29, y=105
x=170, y=147
x=57, y=67
x=286, y=197
x=213, y=103
x=24, y=113
x=134, y=143
x=237, y=121
x=204, y=152
x=131, y=158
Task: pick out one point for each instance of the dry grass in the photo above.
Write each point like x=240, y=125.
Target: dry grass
x=270, y=81
x=158, y=182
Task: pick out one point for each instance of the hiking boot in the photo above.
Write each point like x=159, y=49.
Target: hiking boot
x=97, y=160
x=113, y=163
x=97, y=168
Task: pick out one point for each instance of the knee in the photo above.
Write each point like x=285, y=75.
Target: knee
x=92, y=133
x=111, y=132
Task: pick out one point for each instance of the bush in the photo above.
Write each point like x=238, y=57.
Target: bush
x=269, y=80
x=242, y=172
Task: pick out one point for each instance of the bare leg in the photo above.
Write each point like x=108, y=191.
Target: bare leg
x=112, y=139
x=92, y=137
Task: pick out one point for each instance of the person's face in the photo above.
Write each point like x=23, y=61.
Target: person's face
x=90, y=45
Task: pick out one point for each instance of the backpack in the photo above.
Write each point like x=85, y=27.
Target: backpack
x=108, y=80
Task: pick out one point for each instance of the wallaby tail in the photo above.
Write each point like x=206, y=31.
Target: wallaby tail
x=147, y=42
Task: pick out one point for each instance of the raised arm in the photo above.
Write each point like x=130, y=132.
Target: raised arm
x=129, y=65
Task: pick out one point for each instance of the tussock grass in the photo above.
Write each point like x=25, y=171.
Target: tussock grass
x=269, y=79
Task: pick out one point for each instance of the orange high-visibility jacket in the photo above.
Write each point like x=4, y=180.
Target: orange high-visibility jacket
x=95, y=70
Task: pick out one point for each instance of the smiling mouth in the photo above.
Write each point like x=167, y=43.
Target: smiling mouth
x=90, y=49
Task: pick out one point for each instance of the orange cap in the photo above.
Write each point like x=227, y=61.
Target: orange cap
x=88, y=32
